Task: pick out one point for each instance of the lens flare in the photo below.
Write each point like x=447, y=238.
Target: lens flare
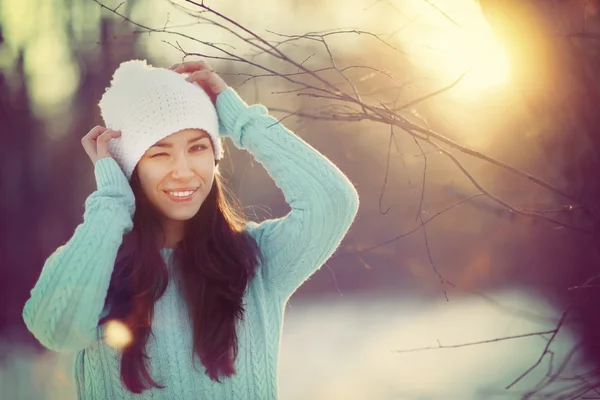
x=117, y=334
x=451, y=38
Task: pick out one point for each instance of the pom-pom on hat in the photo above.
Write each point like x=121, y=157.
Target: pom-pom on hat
x=147, y=104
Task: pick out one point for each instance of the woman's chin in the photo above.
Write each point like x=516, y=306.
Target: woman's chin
x=183, y=215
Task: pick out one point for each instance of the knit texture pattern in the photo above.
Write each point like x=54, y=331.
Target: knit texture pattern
x=67, y=301
x=147, y=104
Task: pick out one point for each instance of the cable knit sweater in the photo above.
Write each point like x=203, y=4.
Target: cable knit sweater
x=68, y=299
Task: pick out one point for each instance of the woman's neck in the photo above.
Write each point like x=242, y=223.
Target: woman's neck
x=173, y=233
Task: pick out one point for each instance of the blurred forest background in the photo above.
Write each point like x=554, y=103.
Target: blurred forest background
x=521, y=275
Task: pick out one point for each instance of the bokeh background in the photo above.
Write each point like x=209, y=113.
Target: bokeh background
x=530, y=99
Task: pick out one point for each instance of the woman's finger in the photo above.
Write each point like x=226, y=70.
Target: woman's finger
x=191, y=66
x=94, y=133
x=89, y=140
x=102, y=143
x=107, y=135
x=202, y=75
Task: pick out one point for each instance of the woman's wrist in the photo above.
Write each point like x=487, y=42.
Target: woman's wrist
x=229, y=107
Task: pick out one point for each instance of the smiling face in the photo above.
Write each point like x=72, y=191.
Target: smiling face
x=177, y=173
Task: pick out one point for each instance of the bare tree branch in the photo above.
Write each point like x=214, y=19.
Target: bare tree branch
x=313, y=35
x=439, y=10
x=433, y=94
x=443, y=280
x=500, y=201
x=552, y=376
x=350, y=253
x=329, y=91
x=455, y=346
x=545, y=351
x=387, y=169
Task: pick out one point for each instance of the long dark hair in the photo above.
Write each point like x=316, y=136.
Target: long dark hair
x=214, y=263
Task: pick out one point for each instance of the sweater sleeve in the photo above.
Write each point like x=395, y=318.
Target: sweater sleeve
x=64, y=306
x=323, y=202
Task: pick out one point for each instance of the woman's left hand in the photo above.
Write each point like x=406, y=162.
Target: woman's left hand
x=201, y=73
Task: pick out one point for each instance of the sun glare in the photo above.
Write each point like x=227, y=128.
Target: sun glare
x=475, y=53
x=451, y=38
x=117, y=334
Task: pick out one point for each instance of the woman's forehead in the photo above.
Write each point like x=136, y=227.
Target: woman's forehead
x=185, y=135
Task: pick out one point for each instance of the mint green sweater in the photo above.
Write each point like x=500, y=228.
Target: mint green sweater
x=68, y=299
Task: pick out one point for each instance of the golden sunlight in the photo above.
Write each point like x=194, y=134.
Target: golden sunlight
x=117, y=334
x=449, y=38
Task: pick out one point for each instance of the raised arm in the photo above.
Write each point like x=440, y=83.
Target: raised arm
x=323, y=201
x=67, y=300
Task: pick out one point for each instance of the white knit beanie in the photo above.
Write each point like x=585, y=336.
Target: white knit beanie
x=148, y=104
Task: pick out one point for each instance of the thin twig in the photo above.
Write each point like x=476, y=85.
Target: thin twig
x=545, y=351
x=433, y=94
x=455, y=346
x=413, y=230
x=500, y=201
x=387, y=169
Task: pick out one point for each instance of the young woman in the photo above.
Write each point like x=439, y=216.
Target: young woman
x=165, y=253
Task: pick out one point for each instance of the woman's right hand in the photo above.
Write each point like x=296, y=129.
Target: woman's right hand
x=95, y=142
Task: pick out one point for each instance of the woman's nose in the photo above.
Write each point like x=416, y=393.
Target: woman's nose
x=182, y=168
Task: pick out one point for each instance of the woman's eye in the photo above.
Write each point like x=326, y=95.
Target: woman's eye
x=196, y=148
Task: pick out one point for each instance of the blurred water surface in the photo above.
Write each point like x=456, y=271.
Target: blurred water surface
x=346, y=347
